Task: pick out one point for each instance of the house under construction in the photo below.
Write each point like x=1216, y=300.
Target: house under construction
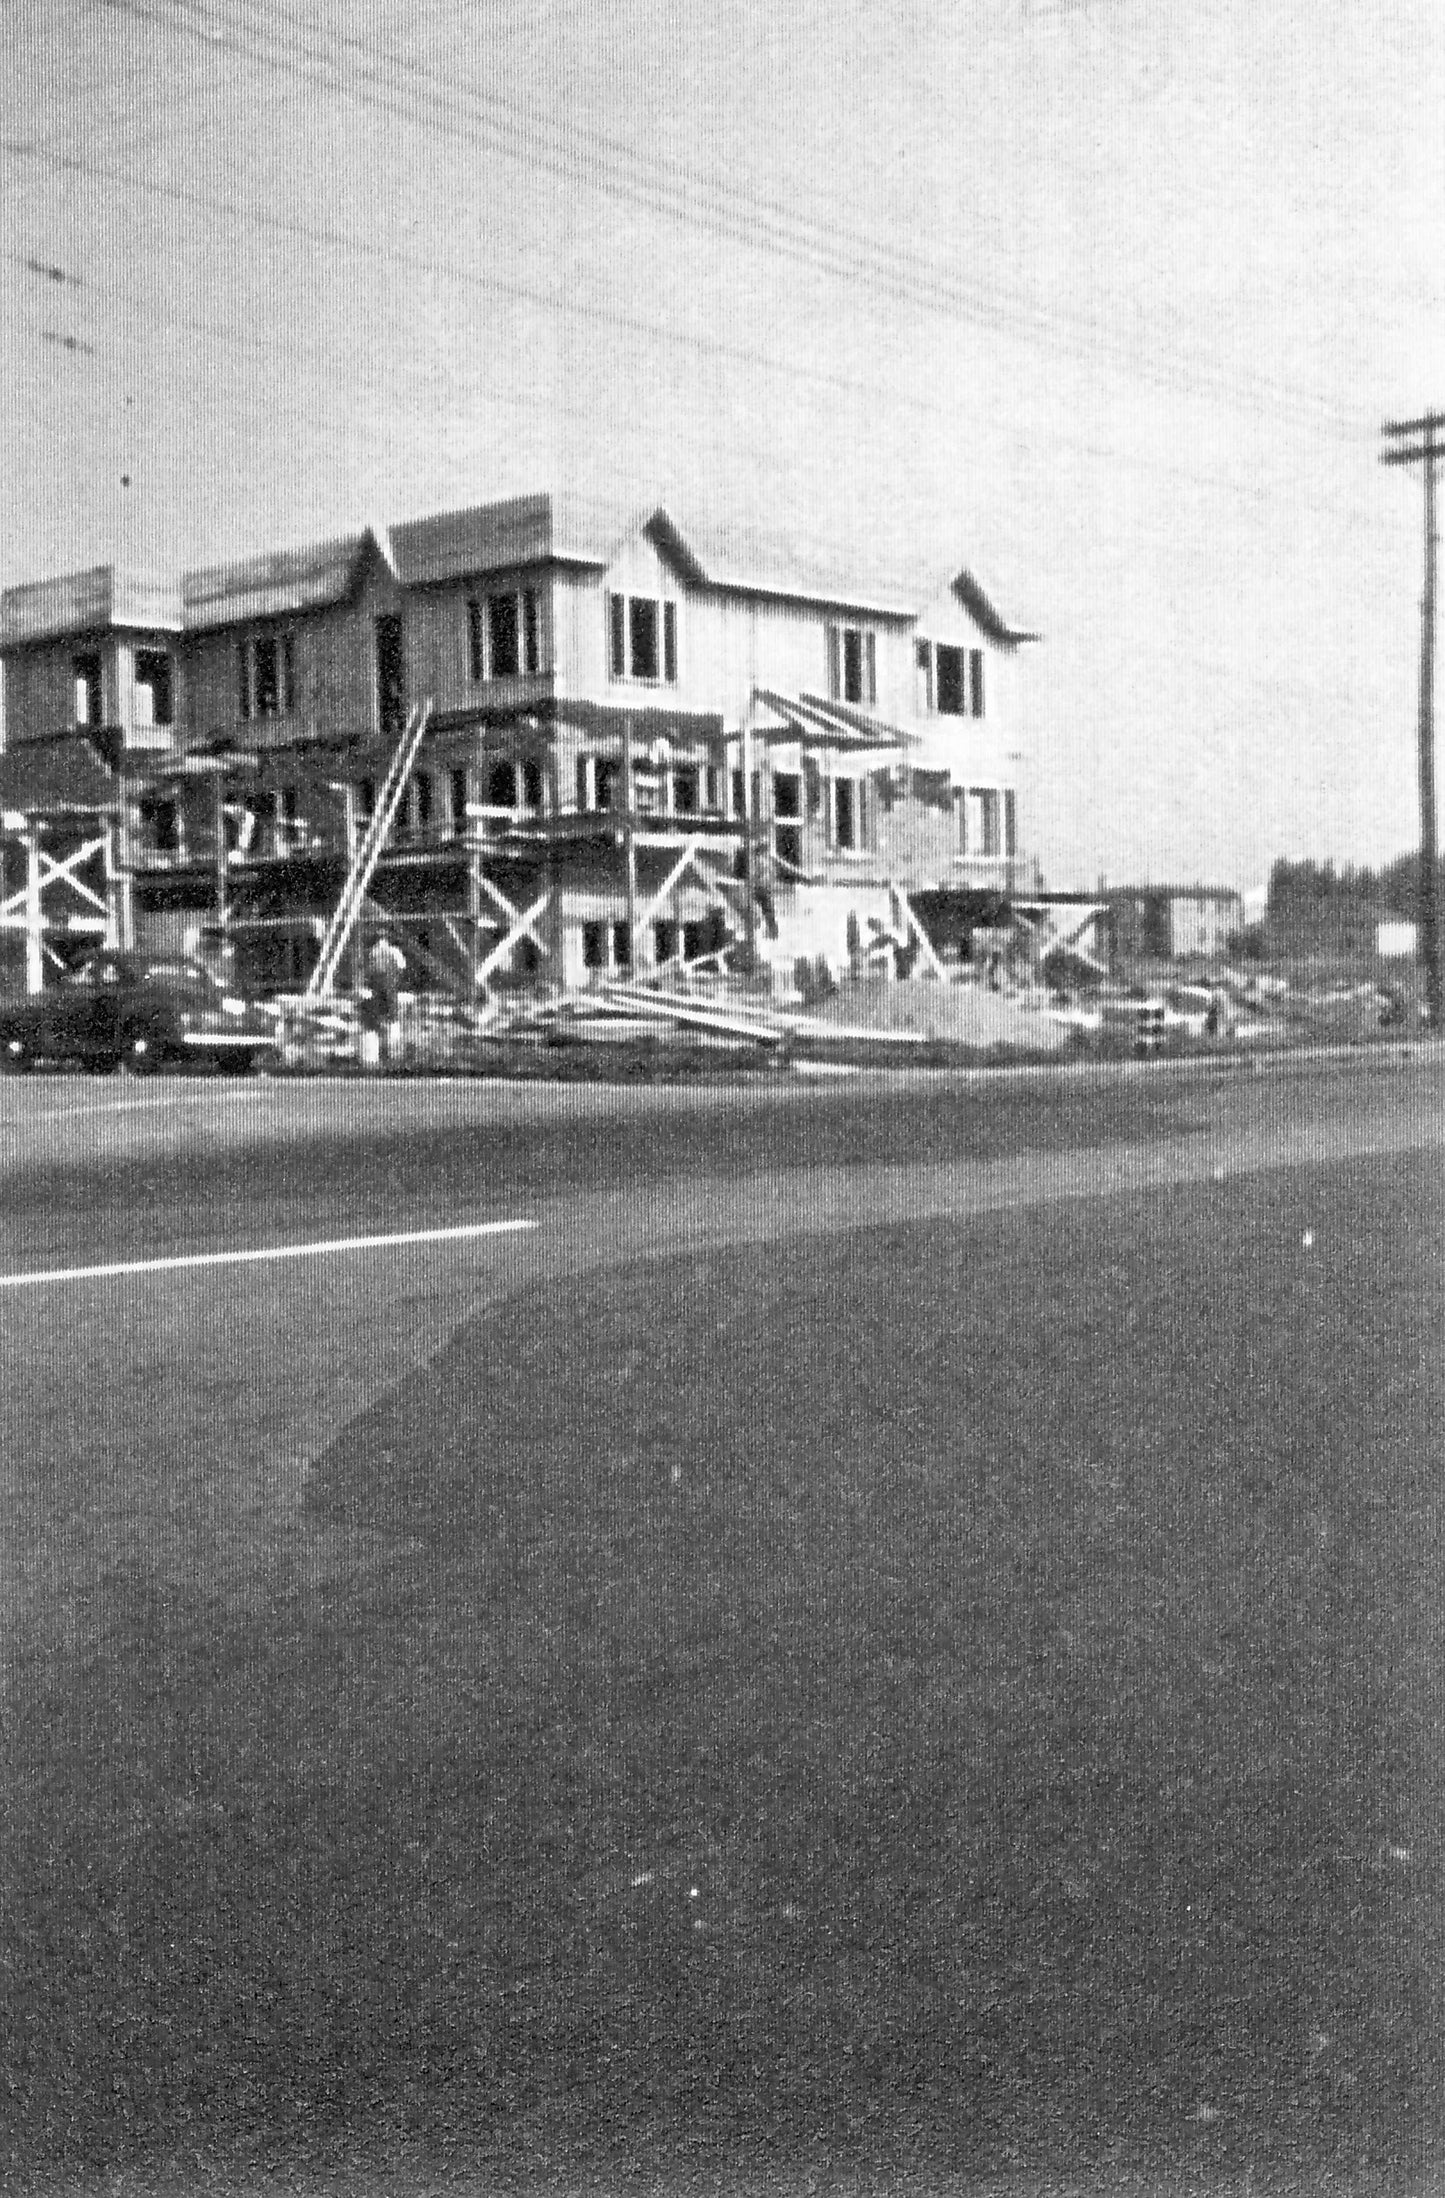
x=599, y=746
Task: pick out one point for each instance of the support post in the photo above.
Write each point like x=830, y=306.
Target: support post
x=218, y=826
x=629, y=804
x=34, y=918
x=750, y=911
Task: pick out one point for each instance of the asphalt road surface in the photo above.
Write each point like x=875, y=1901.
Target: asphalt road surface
x=227, y=1309
x=231, y=1377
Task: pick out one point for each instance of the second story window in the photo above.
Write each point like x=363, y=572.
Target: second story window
x=642, y=638
x=852, y=664
x=266, y=678
x=154, y=702
x=504, y=634
x=89, y=688
x=950, y=679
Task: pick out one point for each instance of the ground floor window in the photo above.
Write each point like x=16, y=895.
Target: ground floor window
x=847, y=815
x=599, y=782
x=606, y=944
x=987, y=822
x=160, y=823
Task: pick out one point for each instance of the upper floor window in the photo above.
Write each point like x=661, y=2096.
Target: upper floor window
x=154, y=698
x=642, y=638
x=852, y=664
x=267, y=675
x=89, y=688
x=504, y=633
x=949, y=679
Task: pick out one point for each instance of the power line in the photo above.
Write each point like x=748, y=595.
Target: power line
x=571, y=305
x=722, y=210
x=240, y=341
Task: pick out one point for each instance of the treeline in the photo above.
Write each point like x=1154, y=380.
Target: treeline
x=1308, y=888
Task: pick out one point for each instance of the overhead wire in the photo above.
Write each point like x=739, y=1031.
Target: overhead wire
x=230, y=337
x=269, y=38
x=570, y=304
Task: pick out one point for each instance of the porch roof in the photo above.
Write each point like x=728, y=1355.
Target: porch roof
x=837, y=725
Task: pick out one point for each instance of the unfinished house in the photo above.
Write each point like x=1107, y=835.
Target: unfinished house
x=642, y=747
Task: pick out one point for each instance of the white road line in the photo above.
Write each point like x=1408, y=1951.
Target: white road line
x=135, y=1106
x=263, y=1252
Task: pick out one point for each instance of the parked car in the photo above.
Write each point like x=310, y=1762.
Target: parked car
x=141, y=1010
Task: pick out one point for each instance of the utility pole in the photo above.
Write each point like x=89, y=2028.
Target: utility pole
x=1409, y=443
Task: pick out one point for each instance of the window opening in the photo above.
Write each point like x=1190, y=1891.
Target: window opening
x=686, y=790
x=153, y=688
x=267, y=675
x=504, y=636
x=642, y=638
x=161, y=823
x=642, y=625
x=89, y=690
x=458, y=795
x=923, y=680
x=852, y=664
x=390, y=675
x=952, y=684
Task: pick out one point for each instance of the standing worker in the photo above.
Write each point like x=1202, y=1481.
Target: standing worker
x=385, y=968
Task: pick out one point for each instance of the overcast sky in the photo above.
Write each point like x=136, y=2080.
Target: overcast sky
x=1106, y=299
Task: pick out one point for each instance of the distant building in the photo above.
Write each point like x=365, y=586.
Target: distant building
x=717, y=715
x=1171, y=922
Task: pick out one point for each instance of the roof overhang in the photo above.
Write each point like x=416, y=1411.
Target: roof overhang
x=837, y=726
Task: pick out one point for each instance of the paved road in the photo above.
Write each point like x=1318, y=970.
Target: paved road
x=194, y=1399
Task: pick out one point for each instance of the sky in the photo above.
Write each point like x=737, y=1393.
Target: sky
x=1104, y=299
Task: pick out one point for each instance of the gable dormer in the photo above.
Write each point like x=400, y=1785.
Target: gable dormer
x=645, y=586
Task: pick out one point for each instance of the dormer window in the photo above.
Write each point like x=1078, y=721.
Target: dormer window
x=852, y=664
x=266, y=675
x=642, y=638
x=950, y=680
x=504, y=633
